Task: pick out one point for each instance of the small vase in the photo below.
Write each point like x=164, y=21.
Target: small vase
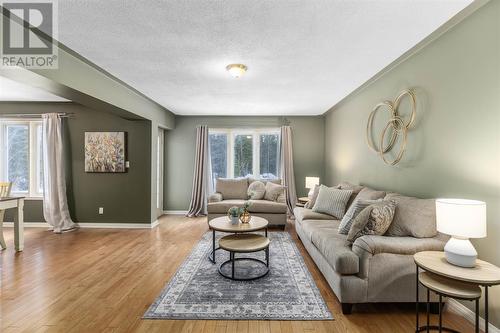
x=235, y=219
x=245, y=217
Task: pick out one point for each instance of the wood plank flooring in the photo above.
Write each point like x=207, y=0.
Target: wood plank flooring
x=103, y=280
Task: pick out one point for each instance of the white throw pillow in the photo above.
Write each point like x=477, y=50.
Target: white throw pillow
x=332, y=201
x=256, y=190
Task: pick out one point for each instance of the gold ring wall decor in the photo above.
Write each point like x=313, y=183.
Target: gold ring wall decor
x=396, y=124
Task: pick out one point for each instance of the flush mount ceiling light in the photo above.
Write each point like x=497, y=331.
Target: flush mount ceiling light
x=236, y=70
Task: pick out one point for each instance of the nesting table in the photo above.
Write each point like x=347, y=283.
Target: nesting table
x=453, y=281
x=242, y=240
x=223, y=224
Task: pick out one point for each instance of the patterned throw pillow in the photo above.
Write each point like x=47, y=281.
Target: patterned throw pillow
x=353, y=211
x=331, y=201
x=373, y=220
x=256, y=190
x=273, y=191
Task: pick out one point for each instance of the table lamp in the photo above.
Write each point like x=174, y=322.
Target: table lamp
x=311, y=182
x=461, y=219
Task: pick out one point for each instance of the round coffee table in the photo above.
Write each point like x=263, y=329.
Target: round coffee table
x=244, y=243
x=223, y=224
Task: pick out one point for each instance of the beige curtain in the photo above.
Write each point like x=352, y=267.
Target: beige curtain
x=55, y=205
x=287, y=174
x=201, y=177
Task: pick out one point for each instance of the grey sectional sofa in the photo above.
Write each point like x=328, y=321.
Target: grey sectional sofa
x=374, y=268
x=233, y=192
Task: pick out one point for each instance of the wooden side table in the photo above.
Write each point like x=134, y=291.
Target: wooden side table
x=483, y=274
x=302, y=201
x=447, y=287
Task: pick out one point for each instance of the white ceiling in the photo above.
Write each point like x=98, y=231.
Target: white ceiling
x=302, y=56
x=14, y=91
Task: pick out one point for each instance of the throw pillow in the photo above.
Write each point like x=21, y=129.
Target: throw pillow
x=355, y=191
x=331, y=201
x=232, y=188
x=256, y=190
x=373, y=220
x=273, y=191
x=312, y=201
x=353, y=211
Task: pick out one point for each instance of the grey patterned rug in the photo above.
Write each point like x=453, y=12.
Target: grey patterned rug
x=198, y=291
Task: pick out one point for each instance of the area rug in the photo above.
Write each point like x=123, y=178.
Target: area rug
x=198, y=291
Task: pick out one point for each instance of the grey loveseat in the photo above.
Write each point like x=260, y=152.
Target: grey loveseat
x=374, y=268
x=234, y=192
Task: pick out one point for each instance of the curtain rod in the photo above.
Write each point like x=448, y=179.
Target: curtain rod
x=34, y=115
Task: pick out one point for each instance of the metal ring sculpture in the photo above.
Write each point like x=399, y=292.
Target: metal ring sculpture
x=396, y=124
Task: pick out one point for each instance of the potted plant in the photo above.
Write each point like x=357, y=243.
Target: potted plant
x=234, y=214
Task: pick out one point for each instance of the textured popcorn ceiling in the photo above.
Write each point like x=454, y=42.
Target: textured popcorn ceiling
x=302, y=56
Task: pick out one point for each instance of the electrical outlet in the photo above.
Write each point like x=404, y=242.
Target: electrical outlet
x=101, y=210
x=127, y=164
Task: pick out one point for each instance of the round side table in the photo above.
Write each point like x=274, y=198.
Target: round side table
x=483, y=274
x=447, y=287
x=223, y=224
x=244, y=243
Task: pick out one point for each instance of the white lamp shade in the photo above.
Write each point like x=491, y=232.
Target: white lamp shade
x=311, y=182
x=461, y=218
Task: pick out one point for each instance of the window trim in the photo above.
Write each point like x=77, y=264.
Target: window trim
x=255, y=133
x=33, y=154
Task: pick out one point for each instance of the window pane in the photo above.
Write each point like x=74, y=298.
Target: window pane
x=269, y=156
x=218, y=154
x=39, y=158
x=18, y=157
x=243, y=159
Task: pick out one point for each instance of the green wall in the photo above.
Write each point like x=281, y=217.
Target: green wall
x=454, y=148
x=125, y=197
x=308, y=139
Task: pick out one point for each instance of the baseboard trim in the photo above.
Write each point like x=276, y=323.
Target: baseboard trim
x=175, y=212
x=85, y=225
x=460, y=309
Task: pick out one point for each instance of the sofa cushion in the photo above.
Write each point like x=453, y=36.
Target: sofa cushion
x=333, y=247
x=221, y=207
x=302, y=214
x=368, y=193
x=373, y=220
x=215, y=197
x=273, y=191
x=332, y=201
x=265, y=181
x=396, y=245
x=265, y=206
x=232, y=188
x=353, y=211
x=312, y=199
x=309, y=226
x=413, y=217
x=256, y=190
x=355, y=191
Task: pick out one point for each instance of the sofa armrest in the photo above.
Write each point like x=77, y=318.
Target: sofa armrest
x=215, y=197
x=373, y=245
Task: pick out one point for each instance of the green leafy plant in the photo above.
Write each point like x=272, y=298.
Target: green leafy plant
x=245, y=207
x=234, y=211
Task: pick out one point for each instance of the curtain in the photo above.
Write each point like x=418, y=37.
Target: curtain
x=55, y=205
x=287, y=174
x=202, y=174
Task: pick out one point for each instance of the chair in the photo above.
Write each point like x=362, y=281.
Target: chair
x=5, y=188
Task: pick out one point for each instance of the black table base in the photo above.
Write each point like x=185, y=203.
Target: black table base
x=232, y=260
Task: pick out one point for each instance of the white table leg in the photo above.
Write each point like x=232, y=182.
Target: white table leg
x=19, y=226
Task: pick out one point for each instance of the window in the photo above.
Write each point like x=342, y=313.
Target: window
x=244, y=153
x=21, y=156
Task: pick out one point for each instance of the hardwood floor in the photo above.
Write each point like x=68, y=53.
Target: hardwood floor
x=103, y=280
